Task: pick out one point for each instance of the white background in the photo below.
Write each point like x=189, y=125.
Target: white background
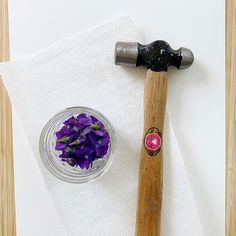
x=195, y=97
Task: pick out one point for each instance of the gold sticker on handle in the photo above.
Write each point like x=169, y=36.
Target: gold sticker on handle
x=153, y=141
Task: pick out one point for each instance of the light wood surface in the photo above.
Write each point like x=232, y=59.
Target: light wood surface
x=7, y=199
x=148, y=219
x=230, y=118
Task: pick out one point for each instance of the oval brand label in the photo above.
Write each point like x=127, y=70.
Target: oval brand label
x=153, y=141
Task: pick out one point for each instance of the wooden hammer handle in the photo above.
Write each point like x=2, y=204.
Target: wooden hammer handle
x=148, y=218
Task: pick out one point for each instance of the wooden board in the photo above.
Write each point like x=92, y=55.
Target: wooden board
x=230, y=226
x=7, y=195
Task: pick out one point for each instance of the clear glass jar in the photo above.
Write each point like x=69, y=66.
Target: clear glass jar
x=50, y=156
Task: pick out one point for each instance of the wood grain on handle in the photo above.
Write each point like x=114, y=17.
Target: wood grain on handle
x=7, y=199
x=230, y=226
x=148, y=219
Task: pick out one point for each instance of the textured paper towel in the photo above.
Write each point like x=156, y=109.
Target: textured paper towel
x=80, y=71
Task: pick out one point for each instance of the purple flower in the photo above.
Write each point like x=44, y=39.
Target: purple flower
x=82, y=140
x=60, y=146
x=100, y=143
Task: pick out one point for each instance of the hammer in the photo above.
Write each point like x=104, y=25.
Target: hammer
x=156, y=57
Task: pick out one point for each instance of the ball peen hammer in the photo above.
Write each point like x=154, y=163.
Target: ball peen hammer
x=156, y=57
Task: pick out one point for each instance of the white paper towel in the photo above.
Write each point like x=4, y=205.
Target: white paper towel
x=80, y=71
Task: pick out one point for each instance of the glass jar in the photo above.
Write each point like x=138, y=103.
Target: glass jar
x=63, y=170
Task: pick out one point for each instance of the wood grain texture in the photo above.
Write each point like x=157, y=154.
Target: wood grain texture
x=7, y=195
x=230, y=227
x=148, y=219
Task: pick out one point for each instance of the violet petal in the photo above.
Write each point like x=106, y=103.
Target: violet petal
x=88, y=162
x=84, y=121
x=98, y=132
x=62, y=132
x=105, y=139
x=60, y=145
x=70, y=121
x=80, y=116
x=86, y=130
x=93, y=137
x=101, y=150
x=81, y=163
x=82, y=140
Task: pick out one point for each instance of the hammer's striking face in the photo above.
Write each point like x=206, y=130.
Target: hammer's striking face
x=156, y=57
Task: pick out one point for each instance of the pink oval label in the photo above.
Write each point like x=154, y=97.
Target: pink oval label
x=153, y=141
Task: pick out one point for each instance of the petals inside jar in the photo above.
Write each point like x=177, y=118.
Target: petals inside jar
x=82, y=140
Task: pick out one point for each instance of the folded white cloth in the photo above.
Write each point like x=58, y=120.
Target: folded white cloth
x=80, y=71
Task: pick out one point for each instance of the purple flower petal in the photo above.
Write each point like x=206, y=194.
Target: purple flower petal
x=79, y=153
x=60, y=145
x=98, y=132
x=88, y=151
x=80, y=116
x=84, y=121
x=69, y=121
x=81, y=163
x=88, y=162
x=64, y=153
x=101, y=150
x=105, y=139
x=93, y=137
x=94, y=119
x=86, y=130
x=82, y=146
x=62, y=132
x=82, y=140
x=62, y=156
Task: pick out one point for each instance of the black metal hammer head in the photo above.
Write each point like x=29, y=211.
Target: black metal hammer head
x=157, y=56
